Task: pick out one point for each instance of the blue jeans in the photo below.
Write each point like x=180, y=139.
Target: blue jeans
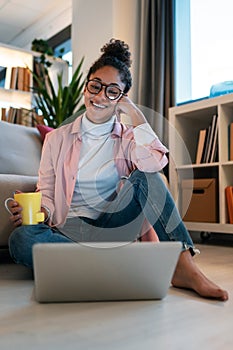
x=143, y=195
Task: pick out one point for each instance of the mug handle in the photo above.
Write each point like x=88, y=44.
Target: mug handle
x=6, y=204
x=40, y=217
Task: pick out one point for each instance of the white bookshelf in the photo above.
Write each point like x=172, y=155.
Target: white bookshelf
x=15, y=57
x=185, y=122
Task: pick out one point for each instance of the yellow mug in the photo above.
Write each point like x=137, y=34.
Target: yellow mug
x=31, y=204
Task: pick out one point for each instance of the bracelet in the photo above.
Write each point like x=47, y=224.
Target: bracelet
x=48, y=213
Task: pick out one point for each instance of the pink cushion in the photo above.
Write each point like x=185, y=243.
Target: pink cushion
x=44, y=129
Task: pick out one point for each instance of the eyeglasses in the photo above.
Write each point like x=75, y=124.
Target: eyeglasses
x=112, y=92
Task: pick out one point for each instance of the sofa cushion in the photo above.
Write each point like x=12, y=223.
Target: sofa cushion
x=44, y=129
x=20, y=149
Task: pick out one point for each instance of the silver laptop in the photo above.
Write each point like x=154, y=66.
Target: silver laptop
x=72, y=272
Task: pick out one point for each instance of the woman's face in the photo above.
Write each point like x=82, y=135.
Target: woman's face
x=99, y=108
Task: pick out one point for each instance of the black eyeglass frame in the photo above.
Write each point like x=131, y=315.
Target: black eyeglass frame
x=121, y=93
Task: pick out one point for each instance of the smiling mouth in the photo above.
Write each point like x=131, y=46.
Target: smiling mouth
x=99, y=106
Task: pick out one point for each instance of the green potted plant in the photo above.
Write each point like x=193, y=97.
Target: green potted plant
x=56, y=104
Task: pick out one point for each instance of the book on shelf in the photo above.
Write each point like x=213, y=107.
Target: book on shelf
x=40, y=72
x=200, y=145
x=25, y=117
x=213, y=127
x=3, y=114
x=27, y=80
x=214, y=146
x=207, y=138
x=19, y=78
x=11, y=115
x=208, y=143
x=21, y=116
x=229, y=202
x=14, y=77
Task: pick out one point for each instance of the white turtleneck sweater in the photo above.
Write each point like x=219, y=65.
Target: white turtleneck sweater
x=97, y=177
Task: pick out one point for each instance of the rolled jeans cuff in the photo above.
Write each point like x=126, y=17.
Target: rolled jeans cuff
x=193, y=251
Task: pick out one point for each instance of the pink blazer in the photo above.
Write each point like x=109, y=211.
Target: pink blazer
x=60, y=158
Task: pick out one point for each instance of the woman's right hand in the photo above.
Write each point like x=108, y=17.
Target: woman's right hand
x=15, y=209
x=126, y=106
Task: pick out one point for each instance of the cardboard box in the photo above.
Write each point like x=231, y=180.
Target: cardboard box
x=203, y=204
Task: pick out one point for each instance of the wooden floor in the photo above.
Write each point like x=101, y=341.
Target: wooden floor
x=180, y=321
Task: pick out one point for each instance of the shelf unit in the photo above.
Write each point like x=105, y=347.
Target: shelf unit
x=185, y=122
x=15, y=57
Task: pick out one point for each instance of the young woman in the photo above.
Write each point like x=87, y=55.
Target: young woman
x=100, y=179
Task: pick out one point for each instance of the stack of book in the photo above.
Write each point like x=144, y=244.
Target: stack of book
x=208, y=143
x=19, y=78
x=21, y=116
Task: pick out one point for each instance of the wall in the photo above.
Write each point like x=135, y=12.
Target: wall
x=56, y=20
x=95, y=22
x=125, y=27
x=91, y=28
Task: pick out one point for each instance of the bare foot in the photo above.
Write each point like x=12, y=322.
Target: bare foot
x=187, y=275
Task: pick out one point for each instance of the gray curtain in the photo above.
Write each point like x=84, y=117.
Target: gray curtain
x=156, y=62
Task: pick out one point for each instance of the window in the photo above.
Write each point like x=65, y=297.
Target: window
x=62, y=41
x=204, y=47
x=66, y=55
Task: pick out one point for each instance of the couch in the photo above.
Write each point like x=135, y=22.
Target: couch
x=20, y=152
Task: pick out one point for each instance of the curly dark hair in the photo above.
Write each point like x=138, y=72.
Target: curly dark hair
x=115, y=54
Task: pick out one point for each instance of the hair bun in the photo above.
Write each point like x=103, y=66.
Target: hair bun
x=118, y=49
